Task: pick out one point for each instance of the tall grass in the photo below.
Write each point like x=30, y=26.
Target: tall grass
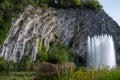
x=80, y=74
x=100, y=74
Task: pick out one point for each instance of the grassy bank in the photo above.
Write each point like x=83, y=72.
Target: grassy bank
x=100, y=74
x=17, y=75
x=80, y=74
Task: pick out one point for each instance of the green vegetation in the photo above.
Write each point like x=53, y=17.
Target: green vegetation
x=80, y=74
x=4, y=65
x=77, y=2
x=58, y=53
x=95, y=5
x=100, y=74
x=11, y=8
x=17, y=75
x=24, y=64
x=41, y=55
x=4, y=29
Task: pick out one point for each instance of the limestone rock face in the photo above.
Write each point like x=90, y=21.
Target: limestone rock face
x=71, y=26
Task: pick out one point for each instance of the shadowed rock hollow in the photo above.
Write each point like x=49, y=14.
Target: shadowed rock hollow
x=71, y=26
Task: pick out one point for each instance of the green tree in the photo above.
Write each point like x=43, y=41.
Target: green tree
x=77, y=2
x=95, y=5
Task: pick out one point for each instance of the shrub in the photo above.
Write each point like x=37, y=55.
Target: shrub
x=4, y=28
x=77, y=2
x=92, y=5
x=63, y=5
x=58, y=54
x=24, y=64
x=6, y=65
x=43, y=5
x=3, y=64
x=41, y=55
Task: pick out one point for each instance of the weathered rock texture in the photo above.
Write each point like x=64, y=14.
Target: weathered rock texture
x=71, y=26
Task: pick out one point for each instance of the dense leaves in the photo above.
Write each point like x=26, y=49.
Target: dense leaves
x=24, y=64
x=58, y=53
x=93, y=5
x=41, y=55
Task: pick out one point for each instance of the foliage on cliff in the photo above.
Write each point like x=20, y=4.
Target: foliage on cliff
x=57, y=54
x=10, y=9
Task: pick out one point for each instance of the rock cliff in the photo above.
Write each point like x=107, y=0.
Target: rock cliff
x=71, y=26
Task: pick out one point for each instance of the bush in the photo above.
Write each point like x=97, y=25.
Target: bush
x=41, y=55
x=63, y=5
x=44, y=5
x=3, y=64
x=4, y=30
x=92, y=5
x=58, y=54
x=76, y=2
x=24, y=64
x=6, y=65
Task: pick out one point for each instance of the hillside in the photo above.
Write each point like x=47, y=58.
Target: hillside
x=69, y=26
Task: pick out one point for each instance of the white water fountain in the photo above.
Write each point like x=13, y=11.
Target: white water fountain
x=101, y=52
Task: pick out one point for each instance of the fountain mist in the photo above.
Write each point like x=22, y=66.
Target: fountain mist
x=101, y=52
